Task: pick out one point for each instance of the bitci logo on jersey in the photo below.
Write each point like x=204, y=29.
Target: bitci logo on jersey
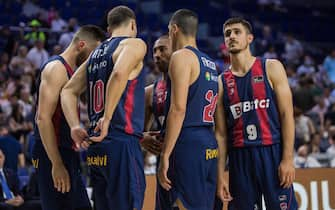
x=246, y=106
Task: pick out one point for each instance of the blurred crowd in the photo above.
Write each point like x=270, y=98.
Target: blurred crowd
x=23, y=48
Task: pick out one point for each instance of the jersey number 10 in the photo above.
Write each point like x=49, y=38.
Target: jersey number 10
x=97, y=96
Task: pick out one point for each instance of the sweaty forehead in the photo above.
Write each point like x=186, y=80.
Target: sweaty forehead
x=233, y=26
x=162, y=42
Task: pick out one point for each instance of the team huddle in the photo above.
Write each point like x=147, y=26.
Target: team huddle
x=244, y=115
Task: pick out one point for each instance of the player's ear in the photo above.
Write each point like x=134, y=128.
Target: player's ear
x=109, y=30
x=174, y=29
x=250, y=37
x=81, y=44
x=133, y=25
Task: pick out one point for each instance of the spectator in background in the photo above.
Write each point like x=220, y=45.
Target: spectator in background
x=271, y=53
x=12, y=150
x=304, y=159
x=7, y=41
x=57, y=49
x=66, y=37
x=25, y=101
x=38, y=55
x=303, y=96
x=331, y=149
x=293, y=50
x=304, y=127
x=315, y=143
x=307, y=67
x=20, y=63
x=58, y=24
x=30, y=8
x=35, y=34
x=292, y=78
x=11, y=196
x=329, y=65
x=17, y=124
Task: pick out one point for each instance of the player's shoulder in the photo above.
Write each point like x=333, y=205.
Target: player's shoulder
x=134, y=42
x=183, y=55
x=54, y=70
x=272, y=64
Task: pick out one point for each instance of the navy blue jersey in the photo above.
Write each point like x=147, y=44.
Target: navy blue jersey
x=202, y=94
x=128, y=116
x=251, y=108
x=62, y=129
x=158, y=101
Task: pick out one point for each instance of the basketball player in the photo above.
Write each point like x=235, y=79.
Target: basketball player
x=114, y=81
x=255, y=121
x=57, y=163
x=155, y=97
x=188, y=161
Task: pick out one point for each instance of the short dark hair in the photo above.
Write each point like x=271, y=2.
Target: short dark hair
x=235, y=20
x=119, y=15
x=164, y=36
x=90, y=32
x=186, y=20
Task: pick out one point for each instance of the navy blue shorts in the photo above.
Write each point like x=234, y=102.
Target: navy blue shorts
x=193, y=168
x=253, y=172
x=51, y=199
x=163, y=197
x=116, y=170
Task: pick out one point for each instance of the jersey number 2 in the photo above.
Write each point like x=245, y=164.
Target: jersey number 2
x=209, y=109
x=97, y=95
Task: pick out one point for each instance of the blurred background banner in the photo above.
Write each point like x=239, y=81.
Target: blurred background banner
x=314, y=188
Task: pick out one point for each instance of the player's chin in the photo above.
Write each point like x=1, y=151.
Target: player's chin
x=234, y=50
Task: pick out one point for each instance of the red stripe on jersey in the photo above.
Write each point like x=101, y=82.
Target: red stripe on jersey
x=68, y=68
x=129, y=107
x=56, y=120
x=259, y=89
x=238, y=138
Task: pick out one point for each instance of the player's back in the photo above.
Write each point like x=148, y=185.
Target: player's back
x=62, y=130
x=202, y=93
x=251, y=108
x=128, y=116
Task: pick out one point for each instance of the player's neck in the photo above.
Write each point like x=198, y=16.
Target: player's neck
x=70, y=57
x=241, y=62
x=185, y=41
x=120, y=32
x=164, y=75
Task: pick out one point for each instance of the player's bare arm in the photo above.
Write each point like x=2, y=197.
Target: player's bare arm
x=69, y=99
x=180, y=72
x=279, y=82
x=148, y=120
x=53, y=78
x=149, y=141
x=221, y=138
x=128, y=64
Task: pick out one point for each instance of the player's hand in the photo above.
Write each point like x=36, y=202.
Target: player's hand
x=61, y=178
x=223, y=190
x=286, y=172
x=78, y=134
x=16, y=201
x=164, y=181
x=150, y=143
x=102, y=126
